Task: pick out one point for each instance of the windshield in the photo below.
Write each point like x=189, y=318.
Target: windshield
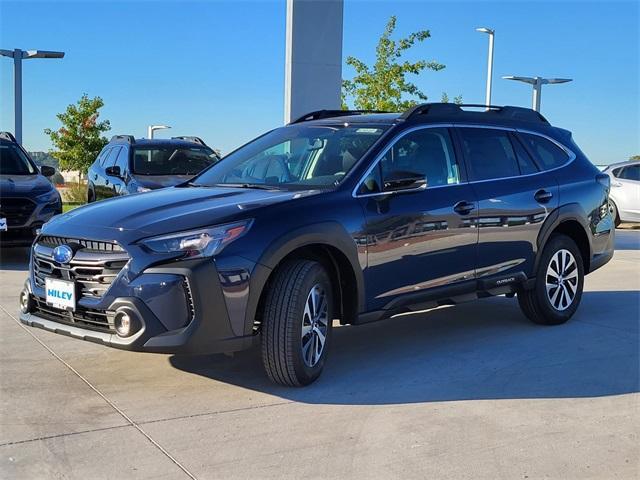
x=171, y=160
x=13, y=161
x=303, y=156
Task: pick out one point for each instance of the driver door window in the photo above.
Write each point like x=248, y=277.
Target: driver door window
x=427, y=152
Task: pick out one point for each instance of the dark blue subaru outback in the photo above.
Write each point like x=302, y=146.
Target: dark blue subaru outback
x=338, y=216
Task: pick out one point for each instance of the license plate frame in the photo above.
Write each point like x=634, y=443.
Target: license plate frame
x=60, y=294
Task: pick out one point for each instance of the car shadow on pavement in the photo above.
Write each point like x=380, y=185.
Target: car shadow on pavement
x=14, y=258
x=481, y=350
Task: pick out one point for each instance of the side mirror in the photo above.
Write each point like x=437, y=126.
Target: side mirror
x=113, y=171
x=403, y=180
x=47, y=171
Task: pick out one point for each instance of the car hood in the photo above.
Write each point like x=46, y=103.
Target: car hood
x=160, y=181
x=129, y=218
x=24, y=185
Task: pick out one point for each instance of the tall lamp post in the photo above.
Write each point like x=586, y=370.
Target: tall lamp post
x=537, y=83
x=153, y=128
x=491, y=33
x=19, y=55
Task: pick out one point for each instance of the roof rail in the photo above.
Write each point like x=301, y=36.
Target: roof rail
x=123, y=138
x=197, y=140
x=8, y=136
x=445, y=109
x=320, y=114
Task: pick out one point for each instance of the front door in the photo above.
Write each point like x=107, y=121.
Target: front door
x=417, y=238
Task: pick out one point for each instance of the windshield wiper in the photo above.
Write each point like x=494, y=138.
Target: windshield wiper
x=257, y=186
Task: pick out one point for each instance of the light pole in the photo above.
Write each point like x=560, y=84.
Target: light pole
x=537, y=83
x=153, y=128
x=491, y=33
x=19, y=55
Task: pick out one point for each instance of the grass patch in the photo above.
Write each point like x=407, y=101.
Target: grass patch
x=69, y=206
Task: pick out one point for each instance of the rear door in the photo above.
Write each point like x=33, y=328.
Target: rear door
x=515, y=197
x=421, y=238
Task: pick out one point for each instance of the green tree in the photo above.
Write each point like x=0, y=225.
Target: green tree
x=634, y=158
x=384, y=86
x=79, y=140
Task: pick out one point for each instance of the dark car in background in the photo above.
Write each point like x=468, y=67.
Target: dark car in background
x=128, y=165
x=338, y=216
x=27, y=198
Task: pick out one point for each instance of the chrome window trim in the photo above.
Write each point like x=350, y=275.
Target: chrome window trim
x=380, y=156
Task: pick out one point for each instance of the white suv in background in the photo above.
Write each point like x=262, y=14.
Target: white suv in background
x=625, y=191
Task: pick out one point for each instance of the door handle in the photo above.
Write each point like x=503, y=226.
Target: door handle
x=463, y=207
x=543, y=196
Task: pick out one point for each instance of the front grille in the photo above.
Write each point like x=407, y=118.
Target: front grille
x=16, y=210
x=92, y=245
x=82, y=317
x=92, y=269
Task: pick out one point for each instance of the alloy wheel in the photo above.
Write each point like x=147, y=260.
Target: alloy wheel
x=315, y=324
x=562, y=279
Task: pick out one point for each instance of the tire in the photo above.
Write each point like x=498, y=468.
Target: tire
x=287, y=354
x=614, y=213
x=549, y=305
x=91, y=197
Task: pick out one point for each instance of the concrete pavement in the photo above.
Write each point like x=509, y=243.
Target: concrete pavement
x=472, y=391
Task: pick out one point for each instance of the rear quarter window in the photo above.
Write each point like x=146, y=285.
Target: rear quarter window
x=547, y=154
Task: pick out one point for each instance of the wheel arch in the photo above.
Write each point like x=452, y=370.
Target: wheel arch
x=569, y=220
x=328, y=243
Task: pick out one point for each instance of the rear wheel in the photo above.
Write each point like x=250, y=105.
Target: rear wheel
x=91, y=196
x=558, y=286
x=296, y=324
x=613, y=208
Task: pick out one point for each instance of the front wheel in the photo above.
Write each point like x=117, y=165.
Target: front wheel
x=558, y=286
x=296, y=324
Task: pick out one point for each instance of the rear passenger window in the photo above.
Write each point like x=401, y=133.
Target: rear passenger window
x=489, y=153
x=630, y=173
x=547, y=153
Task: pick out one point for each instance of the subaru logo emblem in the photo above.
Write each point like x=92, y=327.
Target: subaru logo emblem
x=63, y=254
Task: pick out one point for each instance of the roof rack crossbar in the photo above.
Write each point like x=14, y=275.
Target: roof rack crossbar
x=516, y=113
x=197, y=140
x=320, y=114
x=123, y=138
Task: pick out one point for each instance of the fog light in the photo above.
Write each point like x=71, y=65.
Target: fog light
x=122, y=323
x=25, y=301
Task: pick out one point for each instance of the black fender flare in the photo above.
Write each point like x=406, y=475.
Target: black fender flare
x=330, y=234
x=569, y=212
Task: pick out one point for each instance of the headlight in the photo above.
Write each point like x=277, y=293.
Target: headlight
x=50, y=197
x=204, y=242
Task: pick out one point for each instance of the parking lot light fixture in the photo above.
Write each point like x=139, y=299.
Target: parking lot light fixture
x=491, y=34
x=18, y=55
x=537, y=83
x=153, y=128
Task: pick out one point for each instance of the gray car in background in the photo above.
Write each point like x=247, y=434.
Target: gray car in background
x=624, y=197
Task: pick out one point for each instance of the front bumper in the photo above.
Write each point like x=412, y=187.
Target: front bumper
x=179, y=307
